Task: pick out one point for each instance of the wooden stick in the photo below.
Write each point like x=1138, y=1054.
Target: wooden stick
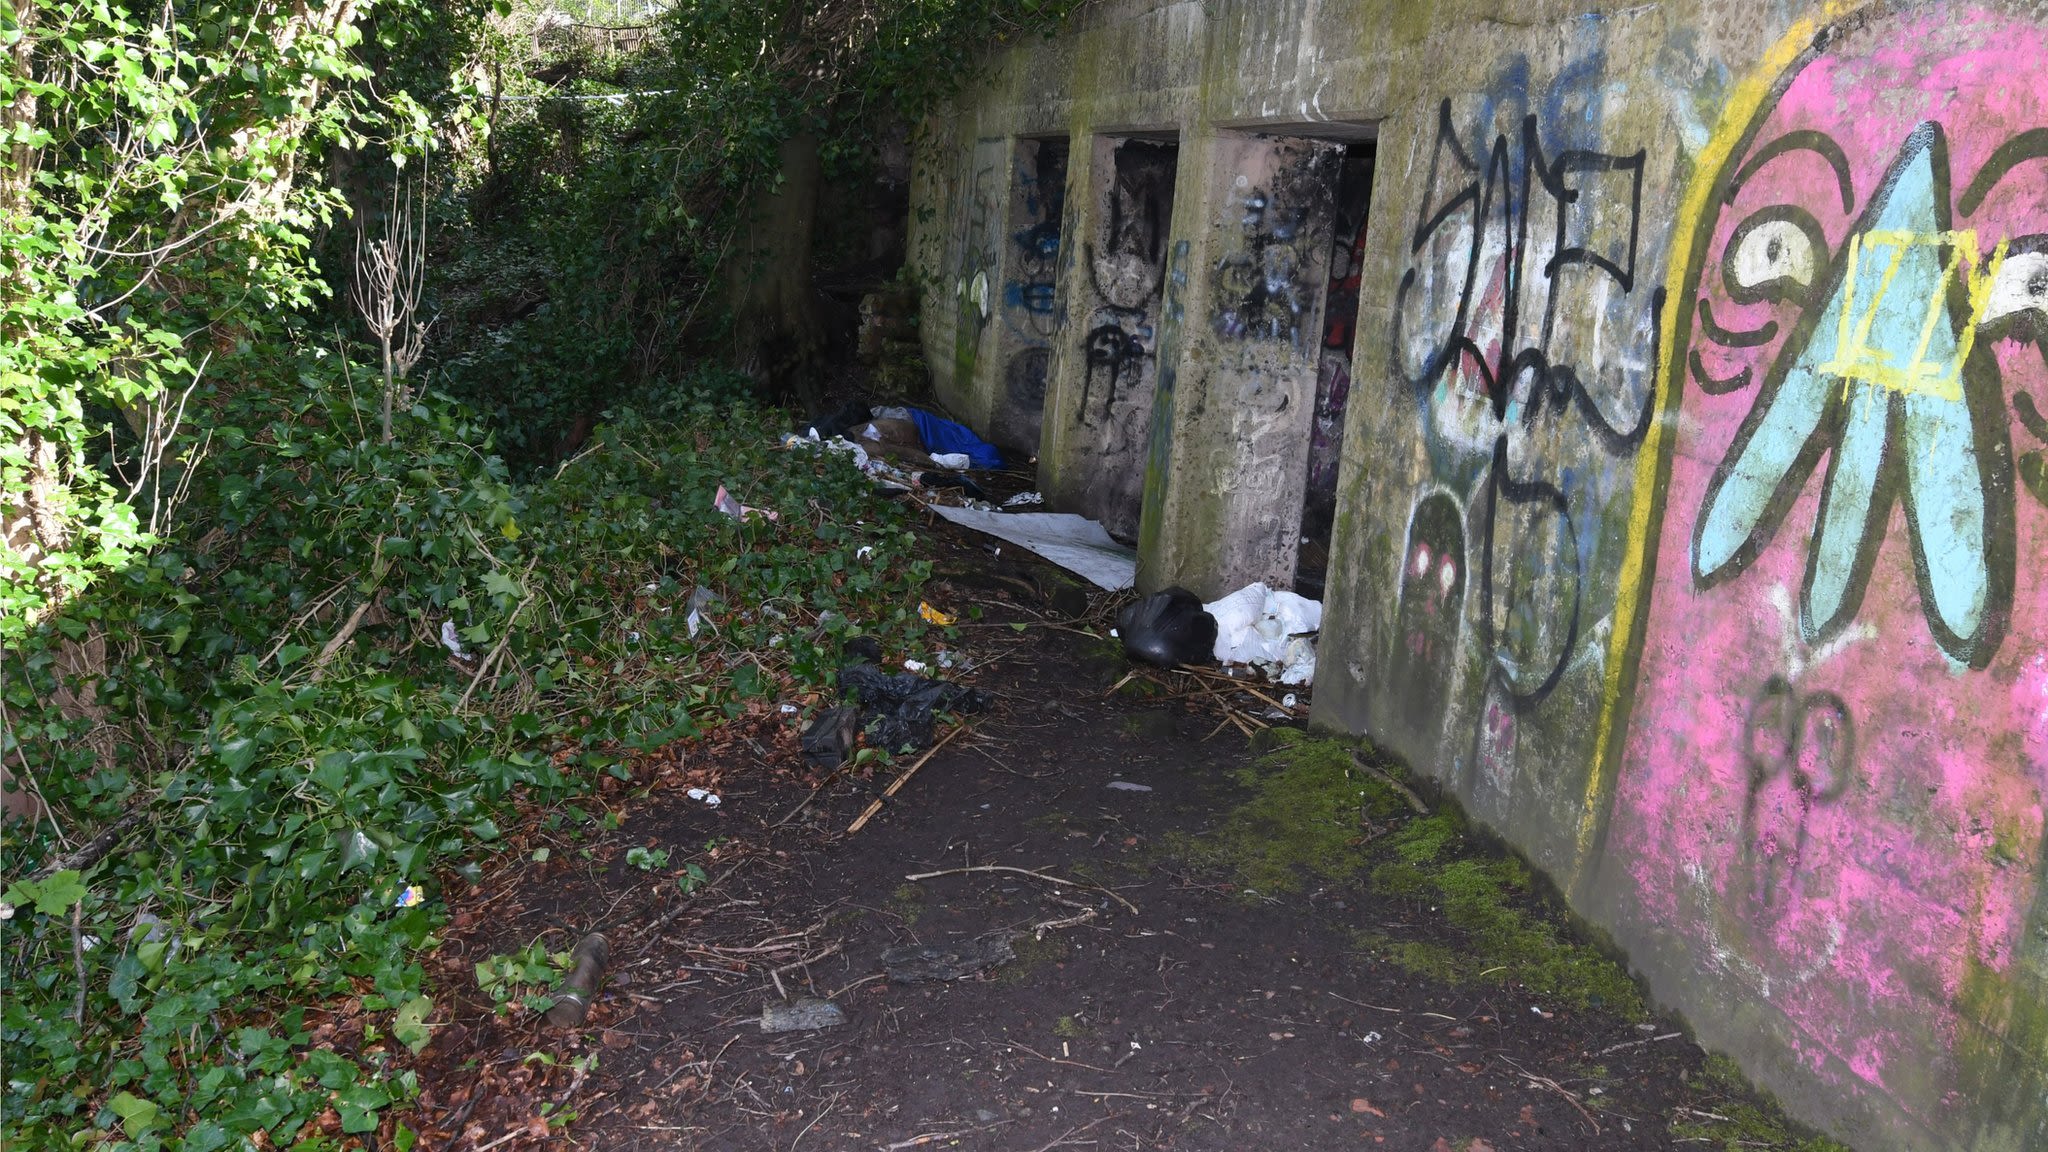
x=97, y=848
x=1384, y=777
x=897, y=784
x=1023, y=872
x=1269, y=699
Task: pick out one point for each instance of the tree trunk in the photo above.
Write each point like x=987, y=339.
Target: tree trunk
x=777, y=336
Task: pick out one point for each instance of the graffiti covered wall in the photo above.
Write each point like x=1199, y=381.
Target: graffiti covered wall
x=1124, y=267
x=1030, y=307
x=1691, y=497
x=1522, y=353
x=1829, y=795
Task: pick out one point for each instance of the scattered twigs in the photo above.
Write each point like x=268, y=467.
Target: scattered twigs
x=355, y=618
x=799, y=809
x=78, y=961
x=829, y=950
x=1067, y=1137
x=836, y=993
x=684, y=905
x=1361, y=1003
x=822, y=1112
x=498, y=649
x=1056, y=1059
x=1612, y=1049
x=311, y=611
x=1128, y=677
x=1269, y=699
x=1386, y=778
x=1024, y=872
x=934, y=1137
x=897, y=784
x=1554, y=1086
x=1039, y=929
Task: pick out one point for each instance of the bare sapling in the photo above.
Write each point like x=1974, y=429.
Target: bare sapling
x=389, y=273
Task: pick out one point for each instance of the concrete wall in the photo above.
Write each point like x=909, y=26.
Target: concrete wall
x=1692, y=519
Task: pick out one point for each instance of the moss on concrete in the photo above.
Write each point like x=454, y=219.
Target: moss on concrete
x=1727, y=1116
x=1311, y=813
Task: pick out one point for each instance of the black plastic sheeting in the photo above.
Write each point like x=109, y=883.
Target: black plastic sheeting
x=896, y=711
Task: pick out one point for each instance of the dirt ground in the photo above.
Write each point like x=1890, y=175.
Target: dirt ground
x=1150, y=1004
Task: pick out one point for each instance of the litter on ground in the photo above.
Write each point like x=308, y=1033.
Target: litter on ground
x=1270, y=630
x=1080, y=545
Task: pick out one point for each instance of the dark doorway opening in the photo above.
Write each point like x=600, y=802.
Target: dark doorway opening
x=1333, y=372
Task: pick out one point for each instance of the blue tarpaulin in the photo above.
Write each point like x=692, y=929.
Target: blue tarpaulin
x=941, y=435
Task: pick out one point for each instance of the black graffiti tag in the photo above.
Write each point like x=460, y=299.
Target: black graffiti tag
x=1808, y=739
x=1514, y=279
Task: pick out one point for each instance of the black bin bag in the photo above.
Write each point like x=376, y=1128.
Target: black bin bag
x=1168, y=628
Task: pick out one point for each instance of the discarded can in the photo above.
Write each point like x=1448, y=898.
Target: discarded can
x=586, y=971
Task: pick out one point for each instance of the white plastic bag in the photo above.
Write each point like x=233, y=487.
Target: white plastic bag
x=1259, y=626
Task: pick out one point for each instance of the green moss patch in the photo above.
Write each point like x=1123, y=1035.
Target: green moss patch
x=1726, y=1115
x=1312, y=814
x=1033, y=955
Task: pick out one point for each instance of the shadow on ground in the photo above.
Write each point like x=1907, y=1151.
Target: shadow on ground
x=1184, y=988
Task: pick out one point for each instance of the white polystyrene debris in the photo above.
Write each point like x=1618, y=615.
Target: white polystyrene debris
x=452, y=641
x=707, y=796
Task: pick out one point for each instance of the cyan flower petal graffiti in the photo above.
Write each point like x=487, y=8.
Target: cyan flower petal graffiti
x=1829, y=797
x=1875, y=377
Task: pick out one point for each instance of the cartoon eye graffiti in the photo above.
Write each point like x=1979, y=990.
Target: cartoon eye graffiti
x=1886, y=379
x=1422, y=560
x=1775, y=255
x=1447, y=576
x=2019, y=285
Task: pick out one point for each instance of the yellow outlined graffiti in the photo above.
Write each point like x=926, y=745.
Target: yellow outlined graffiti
x=1744, y=103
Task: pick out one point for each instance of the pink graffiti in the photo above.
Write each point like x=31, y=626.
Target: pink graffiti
x=1856, y=906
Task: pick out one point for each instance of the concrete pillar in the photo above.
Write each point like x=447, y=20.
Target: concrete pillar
x=1027, y=310
x=1244, y=385
x=983, y=211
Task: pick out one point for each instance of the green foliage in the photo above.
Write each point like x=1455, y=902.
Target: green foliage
x=523, y=978
x=584, y=245
x=324, y=668
x=276, y=695
x=149, y=222
x=1311, y=811
x=647, y=860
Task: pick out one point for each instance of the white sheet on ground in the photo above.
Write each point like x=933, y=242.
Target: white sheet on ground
x=1076, y=543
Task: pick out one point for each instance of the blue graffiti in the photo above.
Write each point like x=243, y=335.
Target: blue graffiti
x=1877, y=382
